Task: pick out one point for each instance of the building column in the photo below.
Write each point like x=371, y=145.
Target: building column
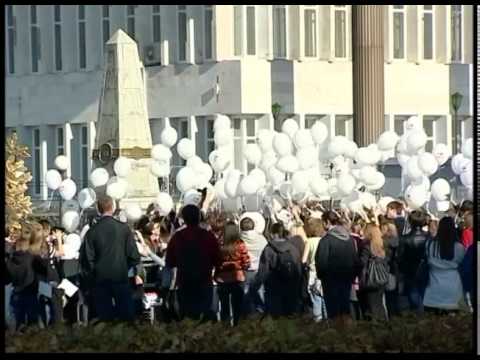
x=270, y=32
x=368, y=73
x=450, y=133
x=301, y=121
x=43, y=161
x=191, y=40
x=330, y=125
x=243, y=136
x=91, y=143
x=67, y=133
x=192, y=131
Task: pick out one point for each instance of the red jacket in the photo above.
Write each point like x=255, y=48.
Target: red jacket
x=231, y=269
x=467, y=237
x=193, y=245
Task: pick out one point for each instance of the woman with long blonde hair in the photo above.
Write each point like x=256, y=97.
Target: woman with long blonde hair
x=374, y=250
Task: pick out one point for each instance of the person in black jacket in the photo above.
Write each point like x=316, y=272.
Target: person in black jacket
x=337, y=264
x=280, y=271
x=411, y=250
x=110, y=252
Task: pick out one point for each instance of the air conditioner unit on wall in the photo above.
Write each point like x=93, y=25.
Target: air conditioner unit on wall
x=152, y=55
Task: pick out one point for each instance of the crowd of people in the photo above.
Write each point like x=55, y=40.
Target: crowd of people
x=216, y=266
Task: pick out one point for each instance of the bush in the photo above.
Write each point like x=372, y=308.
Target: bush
x=405, y=334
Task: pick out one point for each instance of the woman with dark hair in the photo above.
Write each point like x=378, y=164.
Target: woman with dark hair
x=445, y=254
x=230, y=274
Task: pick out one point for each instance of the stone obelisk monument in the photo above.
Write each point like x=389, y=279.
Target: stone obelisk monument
x=122, y=128
x=368, y=73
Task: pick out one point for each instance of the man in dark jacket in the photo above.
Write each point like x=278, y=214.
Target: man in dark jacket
x=337, y=264
x=411, y=250
x=280, y=271
x=110, y=252
x=194, y=252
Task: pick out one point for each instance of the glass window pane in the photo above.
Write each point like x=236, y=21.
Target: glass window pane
x=428, y=36
x=37, y=171
x=33, y=14
x=428, y=125
x=34, y=48
x=310, y=33
x=210, y=132
x=340, y=127
x=398, y=6
x=182, y=7
x=59, y=137
x=10, y=15
x=208, y=33
x=237, y=13
x=84, y=165
x=182, y=36
x=84, y=135
x=11, y=51
x=156, y=28
x=251, y=46
x=251, y=127
x=398, y=36
x=456, y=32
x=82, y=45
x=279, y=32
x=131, y=27
x=36, y=137
x=57, y=12
x=156, y=8
x=58, y=47
x=130, y=9
x=105, y=10
x=184, y=129
x=398, y=125
x=81, y=12
x=429, y=146
x=428, y=7
x=340, y=34
x=106, y=31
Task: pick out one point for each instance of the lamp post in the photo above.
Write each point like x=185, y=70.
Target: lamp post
x=276, y=109
x=456, y=104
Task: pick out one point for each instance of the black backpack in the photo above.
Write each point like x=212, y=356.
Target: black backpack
x=285, y=267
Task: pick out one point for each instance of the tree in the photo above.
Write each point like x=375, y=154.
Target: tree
x=18, y=206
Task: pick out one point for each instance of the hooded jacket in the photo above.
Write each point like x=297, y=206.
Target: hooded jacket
x=23, y=269
x=268, y=261
x=255, y=244
x=336, y=256
x=411, y=250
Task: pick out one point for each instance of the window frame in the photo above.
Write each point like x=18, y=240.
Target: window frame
x=36, y=167
x=129, y=17
x=334, y=10
x=84, y=22
x=178, y=12
x=393, y=11
x=245, y=31
x=10, y=47
x=58, y=23
x=462, y=35
x=433, y=138
x=83, y=161
x=57, y=145
x=240, y=24
x=303, y=10
x=39, y=45
x=285, y=8
x=209, y=140
x=156, y=14
x=433, y=14
x=211, y=9
x=104, y=19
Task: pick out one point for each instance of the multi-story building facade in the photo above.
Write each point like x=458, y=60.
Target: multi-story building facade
x=238, y=60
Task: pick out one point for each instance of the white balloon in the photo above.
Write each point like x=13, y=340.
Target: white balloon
x=99, y=177
x=290, y=127
x=340, y=166
x=206, y=172
x=442, y=153
x=185, y=148
x=186, y=179
x=350, y=149
x=368, y=200
x=427, y=163
x=402, y=145
x=416, y=196
x=268, y=159
x=253, y=154
x=387, y=140
x=72, y=244
x=442, y=206
x=459, y=163
x=232, y=183
x=169, y=136
x=53, y=179
x=387, y=155
x=383, y=203
x=346, y=183
x=249, y=185
x=219, y=160
x=259, y=177
x=161, y=152
x=223, y=137
x=376, y=154
x=220, y=189
x=133, y=212
x=86, y=198
x=275, y=176
x=165, y=203
x=333, y=188
x=288, y=164
x=122, y=166
x=306, y=158
x=303, y=138
x=221, y=122
x=403, y=159
x=379, y=183
x=300, y=182
x=192, y=197
x=440, y=189
x=337, y=146
x=413, y=170
x=67, y=189
x=368, y=175
x=160, y=168
x=62, y=162
x=71, y=220
x=286, y=190
x=116, y=188
x=282, y=144
x=413, y=123
x=265, y=139
x=194, y=162
x=367, y=156
x=467, y=148
x=416, y=141
x=319, y=132
x=466, y=177
x=424, y=181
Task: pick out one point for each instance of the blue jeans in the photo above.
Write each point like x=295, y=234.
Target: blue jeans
x=253, y=301
x=415, y=299
x=319, y=307
x=26, y=308
x=195, y=302
x=122, y=294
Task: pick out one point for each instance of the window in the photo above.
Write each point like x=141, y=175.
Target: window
x=429, y=127
x=251, y=45
x=182, y=32
x=251, y=137
x=11, y=38
x=238, y=144
x=84, y=156
x=105, y=24
x=399, y=31
x=457, y=39
x=131, y=20
x=208, y=19
x=210, y=137
x=399, y=123
x=344, y=126
x=238, y=36
x=35, y=40
x=279, y=31
x=157, y=32
x=36, y=161
x=57, y=21
x=428, y=31
x=340, y=31
x=466, y=128
x=310, y=32
x=60, y=141
x=82, y=46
